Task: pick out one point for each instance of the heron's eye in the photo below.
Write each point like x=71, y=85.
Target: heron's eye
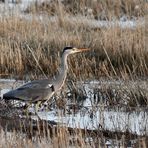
x=74, y=49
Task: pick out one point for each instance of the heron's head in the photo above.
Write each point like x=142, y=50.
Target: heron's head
x=71, y=50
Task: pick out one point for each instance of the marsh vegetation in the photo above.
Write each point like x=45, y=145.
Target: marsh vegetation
x=31, y=42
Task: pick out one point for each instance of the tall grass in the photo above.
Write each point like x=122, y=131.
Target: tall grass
x=106, y=9
x=64, y=137
x=34, y=48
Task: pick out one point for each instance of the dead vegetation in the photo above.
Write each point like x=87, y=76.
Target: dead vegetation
x=97, y=9
x=33, y=47
x=27, y=132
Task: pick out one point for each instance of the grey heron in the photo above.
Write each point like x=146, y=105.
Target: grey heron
x=39, y=91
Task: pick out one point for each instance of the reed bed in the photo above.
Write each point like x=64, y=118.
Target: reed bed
x=14, y=139
x=61, y=136
x=98, y=9
x=34, y=48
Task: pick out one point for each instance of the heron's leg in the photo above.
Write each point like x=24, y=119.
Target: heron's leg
x=37, y=106
x=26, y=109
x=36, y=109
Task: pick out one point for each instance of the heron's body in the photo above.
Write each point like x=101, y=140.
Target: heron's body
x=42, y=90
x=38, y=90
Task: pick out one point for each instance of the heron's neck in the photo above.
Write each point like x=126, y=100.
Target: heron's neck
x=64, y=65
x=60, y=78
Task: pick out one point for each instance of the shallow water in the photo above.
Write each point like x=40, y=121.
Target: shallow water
x=135, y=122
x=95, y=113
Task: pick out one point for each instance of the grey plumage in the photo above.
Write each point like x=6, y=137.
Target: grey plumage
x=31, y=92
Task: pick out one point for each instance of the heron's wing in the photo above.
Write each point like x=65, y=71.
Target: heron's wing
x=32, y=91
x=37, y=84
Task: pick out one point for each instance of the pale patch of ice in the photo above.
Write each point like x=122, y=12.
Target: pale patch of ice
x=11, y=5
x=104, y=23
x=108, y=120
x=7, y=80
x=3, y=91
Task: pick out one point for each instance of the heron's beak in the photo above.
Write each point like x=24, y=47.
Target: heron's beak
x=81, y=49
